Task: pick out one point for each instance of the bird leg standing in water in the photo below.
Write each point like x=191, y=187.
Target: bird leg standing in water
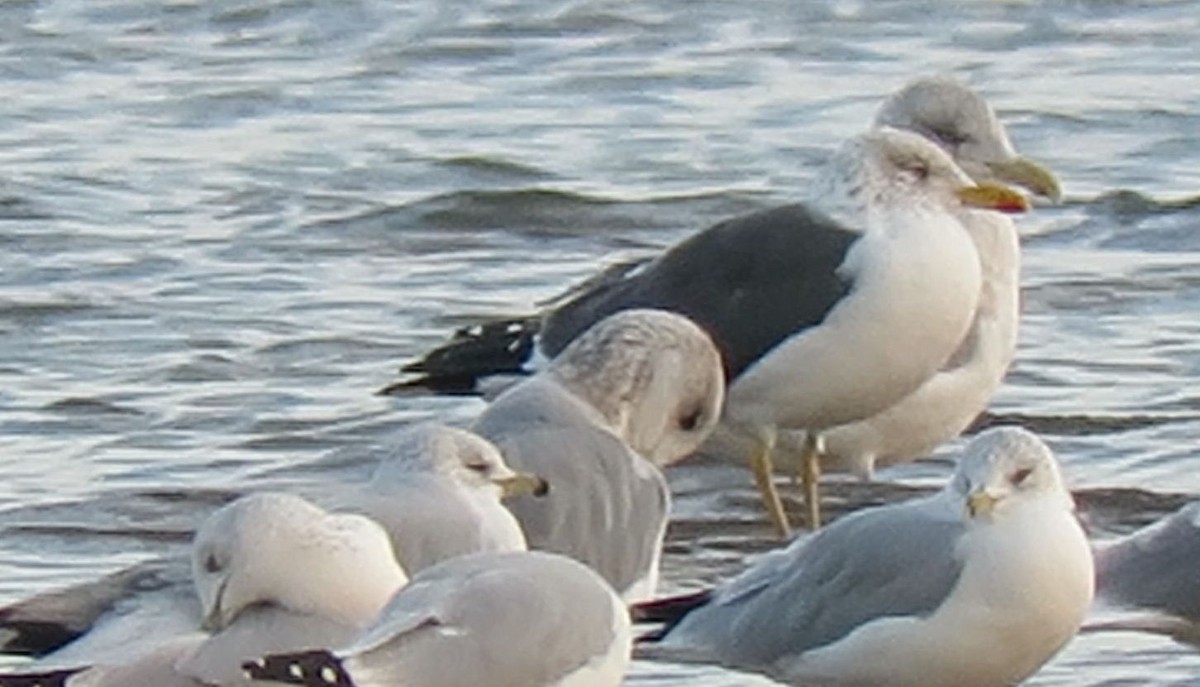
x=764, y=478
x=810, y=477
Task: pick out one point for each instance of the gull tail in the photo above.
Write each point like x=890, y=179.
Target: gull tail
x=54, y=678
x=49, y=621
x=669, y=611
x=316, y=668
x=502, y=347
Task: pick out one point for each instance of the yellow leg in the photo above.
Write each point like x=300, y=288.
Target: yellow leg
x=760, y=465
x=810, y=475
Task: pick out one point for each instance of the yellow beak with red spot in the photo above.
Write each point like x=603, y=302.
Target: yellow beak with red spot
x=993, y=196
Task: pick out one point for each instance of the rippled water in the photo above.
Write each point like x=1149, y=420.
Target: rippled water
x=224, y=224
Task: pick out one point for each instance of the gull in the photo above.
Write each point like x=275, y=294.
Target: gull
x=638, y=391
x=979, y=584
x=957, y=119
x=271, y=573
x=523, y=619
x=438, y=493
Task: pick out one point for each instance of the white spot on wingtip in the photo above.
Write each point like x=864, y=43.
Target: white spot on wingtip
x=295, y=670
x=329, y=675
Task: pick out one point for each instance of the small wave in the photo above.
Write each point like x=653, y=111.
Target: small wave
x=1075, y=425
x=541, y=211
x=29, y=312
x=493, y=168
x=1129, y=204
x=75, y=405
x=13, y=207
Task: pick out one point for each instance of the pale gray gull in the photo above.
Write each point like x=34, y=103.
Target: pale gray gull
x=529, y=619
x=438, y=493
x=979, y=584
x=639, y=390
x=1150, y=580
x=272, y=572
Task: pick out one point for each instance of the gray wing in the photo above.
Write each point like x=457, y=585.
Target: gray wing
x=890, y=561
x=156, y=669
x=127, y=613
x=751, y=282
x=430, y=519
x=607, y=506
x=520, y=619
x=258, y=631
x=1156, y=567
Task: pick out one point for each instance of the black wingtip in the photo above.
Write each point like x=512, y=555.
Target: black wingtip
x=432, y=384
x=54, y=678
x=33, y=637
x=317, y=668
x=492, y=348
x=669, y=611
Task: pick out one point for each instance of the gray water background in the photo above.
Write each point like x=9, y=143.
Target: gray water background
x=224, y=224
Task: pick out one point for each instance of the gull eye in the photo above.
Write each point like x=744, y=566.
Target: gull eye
x=914, y=169
x=481, y=468
x=691, y=421
x=211, y=564
x=949, y=137
x=1020, y=476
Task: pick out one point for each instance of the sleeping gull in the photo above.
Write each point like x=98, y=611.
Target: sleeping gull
x=271, y=572
x=979, y=584
x=1150, y=580
x=639, y=390
x=438, y=492
x=525, y=619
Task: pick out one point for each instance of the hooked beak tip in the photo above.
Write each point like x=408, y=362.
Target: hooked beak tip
x=1028, y=174
x=521, y=484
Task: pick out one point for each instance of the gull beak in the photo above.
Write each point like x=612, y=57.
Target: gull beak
x=214, y=619
x=980, y=503
x=992, y=196
x=520, y=483
x=1028, y=174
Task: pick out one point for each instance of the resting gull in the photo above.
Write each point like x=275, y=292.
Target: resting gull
x=639, y=390
x=979, y=584
x=271, y=574
x=525, y=619
x=436, y=491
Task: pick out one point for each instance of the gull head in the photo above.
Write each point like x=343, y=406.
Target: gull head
x=960, y=122
x=655, y=377
x=890, y=170
x=467, y=458
x=272, y=549
x=1003, y=468
x=899, y=168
